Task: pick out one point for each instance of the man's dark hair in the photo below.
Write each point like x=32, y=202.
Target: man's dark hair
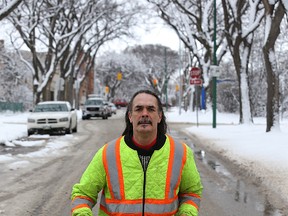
x=162, y=126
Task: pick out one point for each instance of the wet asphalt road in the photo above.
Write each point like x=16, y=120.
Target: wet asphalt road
x=45, y=188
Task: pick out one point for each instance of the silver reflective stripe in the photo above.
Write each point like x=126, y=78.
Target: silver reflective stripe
x=79, y=201
x=137, y=208
x=112, y=169
x=162, y=208
x=187, y=198
x=121, y=208
x=177, y=165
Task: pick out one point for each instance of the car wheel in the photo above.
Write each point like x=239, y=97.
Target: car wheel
x=29, y=133
x=69, y=130
x=75, y=128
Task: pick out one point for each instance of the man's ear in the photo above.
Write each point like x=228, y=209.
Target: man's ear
x=160, y=117
x=129, y=116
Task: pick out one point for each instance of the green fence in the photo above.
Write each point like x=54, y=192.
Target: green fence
x=15, y=107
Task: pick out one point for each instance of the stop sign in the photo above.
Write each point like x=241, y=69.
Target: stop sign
x=195, y=73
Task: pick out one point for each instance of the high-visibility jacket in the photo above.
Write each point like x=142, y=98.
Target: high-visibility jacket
x=170, y=186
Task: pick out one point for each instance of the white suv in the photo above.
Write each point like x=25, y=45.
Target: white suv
x=52, y=116
x=95, y=107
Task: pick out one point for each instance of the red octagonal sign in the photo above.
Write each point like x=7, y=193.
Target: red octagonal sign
x=195, y=73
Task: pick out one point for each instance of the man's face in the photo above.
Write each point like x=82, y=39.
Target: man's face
x=145, y=115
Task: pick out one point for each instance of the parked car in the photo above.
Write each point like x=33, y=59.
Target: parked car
x=52, y=116
x=120, y=103
x=109, y=108
x=112, y=107
x=95, y=107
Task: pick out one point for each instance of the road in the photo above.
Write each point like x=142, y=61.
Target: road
x=44, y=188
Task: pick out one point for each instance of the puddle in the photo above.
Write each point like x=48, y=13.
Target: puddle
x=236, y=194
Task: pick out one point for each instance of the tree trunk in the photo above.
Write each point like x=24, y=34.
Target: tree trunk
x=272, y=106
x=273, y=92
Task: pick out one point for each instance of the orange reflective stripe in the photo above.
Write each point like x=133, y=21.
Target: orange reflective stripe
x=114, y=201
x=81, y=202
x=119, y=169
x=191, y=194
x=158, y=201
x=170, y=167
x=177, y=159
x=192, y=203
x=80, y=206
x=84, y=197
x=190, y=198
x=113, y=167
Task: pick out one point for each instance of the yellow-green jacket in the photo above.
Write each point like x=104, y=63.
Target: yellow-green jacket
x=170, y=186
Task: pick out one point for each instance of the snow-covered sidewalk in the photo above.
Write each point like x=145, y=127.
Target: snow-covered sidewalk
x=263, y=155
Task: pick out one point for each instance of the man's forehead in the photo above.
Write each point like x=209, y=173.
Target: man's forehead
x=145, y=100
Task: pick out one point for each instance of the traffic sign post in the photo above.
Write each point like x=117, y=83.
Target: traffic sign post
x=195, y=76
x=195, y=79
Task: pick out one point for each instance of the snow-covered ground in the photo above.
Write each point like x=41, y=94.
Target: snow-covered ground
x=263, y=154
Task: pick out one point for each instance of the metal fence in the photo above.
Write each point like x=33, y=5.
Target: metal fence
x=15, y=107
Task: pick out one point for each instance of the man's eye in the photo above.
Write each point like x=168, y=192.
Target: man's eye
x=151, y=109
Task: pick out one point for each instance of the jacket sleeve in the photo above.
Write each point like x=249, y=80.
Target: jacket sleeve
x=190, y=191
x=84, y=194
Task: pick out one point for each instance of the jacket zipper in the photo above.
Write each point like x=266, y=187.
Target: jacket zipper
x=145, y=163
x=144, y=188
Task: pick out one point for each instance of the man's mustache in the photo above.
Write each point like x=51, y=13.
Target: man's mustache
x=145, y=121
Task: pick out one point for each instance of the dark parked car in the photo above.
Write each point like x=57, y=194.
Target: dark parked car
x=120, y=103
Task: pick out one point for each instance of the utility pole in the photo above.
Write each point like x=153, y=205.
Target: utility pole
x=180, y=78
x=214, y=78
x=166, y=77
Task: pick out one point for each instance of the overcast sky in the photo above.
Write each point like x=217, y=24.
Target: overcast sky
x=151, y=34
x=158, y=33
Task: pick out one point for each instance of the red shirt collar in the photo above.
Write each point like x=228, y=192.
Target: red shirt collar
x=146, y=147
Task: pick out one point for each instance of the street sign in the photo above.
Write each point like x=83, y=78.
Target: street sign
x=215, y=70
x=196, y=81
x=195, y=76
x=195, y=73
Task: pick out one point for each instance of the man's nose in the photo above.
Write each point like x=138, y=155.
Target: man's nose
x=144, y=112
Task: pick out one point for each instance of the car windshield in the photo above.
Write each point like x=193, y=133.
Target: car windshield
x=51, y=108
x=94, y=102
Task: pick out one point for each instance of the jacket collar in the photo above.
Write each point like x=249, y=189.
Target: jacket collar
x=161, y=138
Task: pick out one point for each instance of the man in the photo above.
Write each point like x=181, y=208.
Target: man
x=144, y=172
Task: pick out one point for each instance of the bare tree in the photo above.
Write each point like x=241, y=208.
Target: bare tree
x=132, y=71
x=14, y=82
x=71, y=33
x=161, y=63
x=7, y=7
x=242, y=18
x=193, y=23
